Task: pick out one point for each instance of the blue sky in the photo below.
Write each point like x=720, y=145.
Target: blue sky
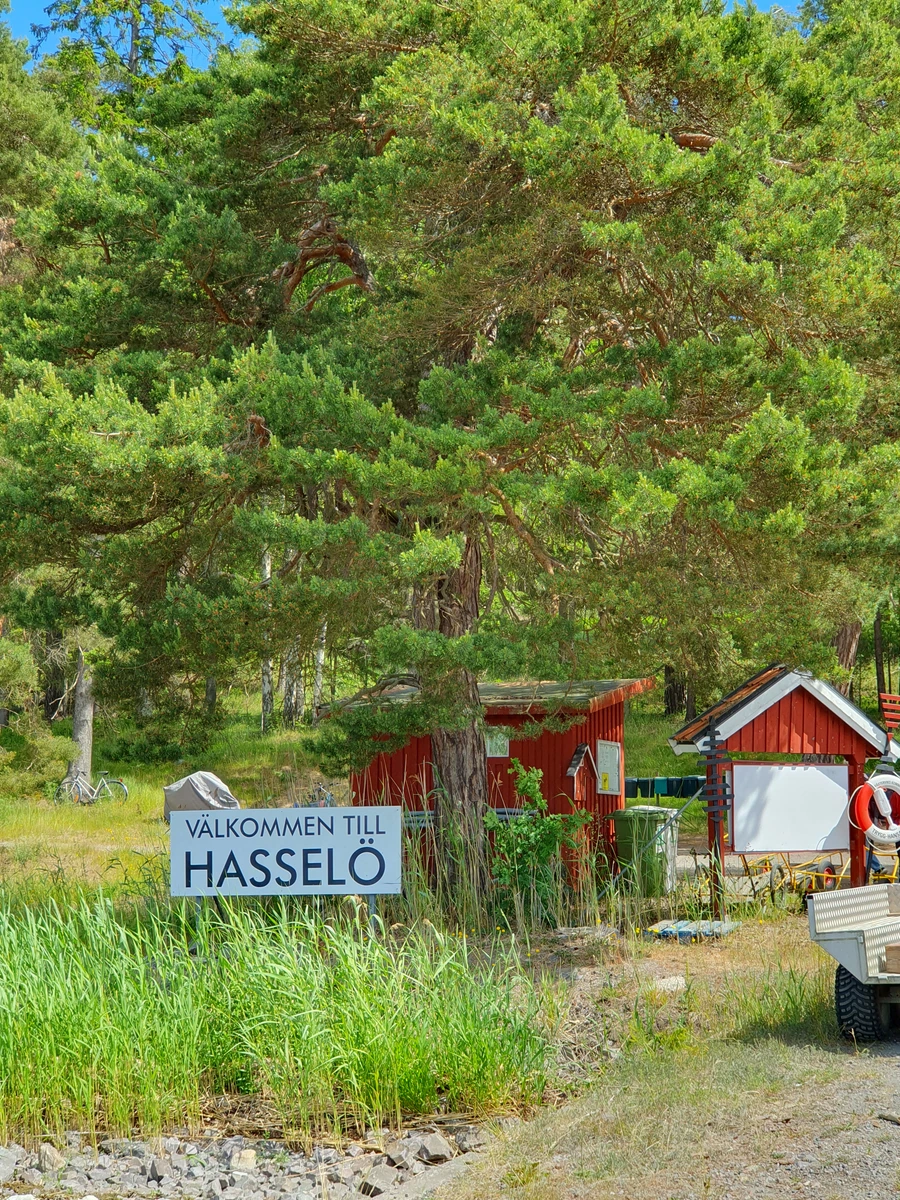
x=25, y=13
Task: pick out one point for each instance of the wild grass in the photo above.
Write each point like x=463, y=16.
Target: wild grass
x=114, y=1026
x=748, y=1041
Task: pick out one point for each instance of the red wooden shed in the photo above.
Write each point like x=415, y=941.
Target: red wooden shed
x=785, y=711
x=582, y=764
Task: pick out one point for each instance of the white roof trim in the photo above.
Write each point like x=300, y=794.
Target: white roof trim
x=829, y=696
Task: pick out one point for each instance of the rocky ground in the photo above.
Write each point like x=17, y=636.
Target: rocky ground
x=236, y=1168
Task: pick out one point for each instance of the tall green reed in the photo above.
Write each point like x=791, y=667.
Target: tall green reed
x=108, y=1026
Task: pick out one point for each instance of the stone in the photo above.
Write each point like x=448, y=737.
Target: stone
x=88, y=1197
x=26, y=1196
x=400, y=1154
x=50, y=1159
x=471, y=1138
x=433, y=1178
x=379, y=1180
x=159, y=1168
x=434, y=1148
x=179, y=1162
x=32, y=1176
x=338, y=1191
x=8, y=1160
x=116, y=1146
x=240, y=1179
x=73, y=1139
x=509, y=1124
x=671, y=984
x=242, y=1160
x=326, y=1155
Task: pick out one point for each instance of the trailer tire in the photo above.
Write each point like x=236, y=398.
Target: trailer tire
x=857, y=1008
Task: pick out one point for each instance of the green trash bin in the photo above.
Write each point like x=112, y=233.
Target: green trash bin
x=646, y=854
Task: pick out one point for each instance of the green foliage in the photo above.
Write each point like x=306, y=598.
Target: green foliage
x=526, y=858
x=625, y=377
x=33, y=135
x=31, y=758
x=117, y=1027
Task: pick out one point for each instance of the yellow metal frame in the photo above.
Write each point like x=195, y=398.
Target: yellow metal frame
x=802, y=877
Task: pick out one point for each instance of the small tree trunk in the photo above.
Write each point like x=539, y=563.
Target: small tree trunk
x=134, y=32
x=54, y=675
x=878, y=647
x=846, y=643
x=459, y=754
x=690, y=702
x=268, y=692
x=294, y=693
x=4, y=712
x=83, y=720
x=144, y=707
x=210, y=696
x=319, y=672
x=673, y=692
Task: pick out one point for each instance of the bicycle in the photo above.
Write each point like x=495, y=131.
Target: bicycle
x=77, y=788
x=319, y=797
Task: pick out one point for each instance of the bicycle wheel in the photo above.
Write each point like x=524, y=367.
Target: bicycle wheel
x=117, y=790
x=64, y=793
x=82, y=793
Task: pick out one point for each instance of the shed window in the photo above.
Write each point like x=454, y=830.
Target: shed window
x=496, y=746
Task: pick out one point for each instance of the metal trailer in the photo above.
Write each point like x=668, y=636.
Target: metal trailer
x=855, y=926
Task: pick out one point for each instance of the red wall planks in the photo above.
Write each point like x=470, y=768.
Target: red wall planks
x=799, y=723
x=405, y=776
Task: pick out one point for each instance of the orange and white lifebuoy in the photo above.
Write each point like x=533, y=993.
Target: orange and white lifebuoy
x=875, y=809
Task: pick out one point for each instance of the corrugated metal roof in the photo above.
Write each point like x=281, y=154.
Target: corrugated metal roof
x=532, y=696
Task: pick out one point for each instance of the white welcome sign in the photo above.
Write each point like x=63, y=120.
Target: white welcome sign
x=286, y=852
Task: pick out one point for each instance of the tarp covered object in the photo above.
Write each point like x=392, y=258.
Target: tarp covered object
x=200, y=790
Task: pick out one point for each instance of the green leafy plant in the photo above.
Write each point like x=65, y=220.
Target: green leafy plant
x=527, y=856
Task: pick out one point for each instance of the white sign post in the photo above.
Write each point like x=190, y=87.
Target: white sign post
x=286, y=852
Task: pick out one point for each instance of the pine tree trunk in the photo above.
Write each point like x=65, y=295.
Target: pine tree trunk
x=210, y=696
x=459, y=754
x=83, y=720
x=54, y=675
x=846, y=643
x=690, y=702
x=319, y=672
x=878, y=646
x=673, y=692
x=268, y=692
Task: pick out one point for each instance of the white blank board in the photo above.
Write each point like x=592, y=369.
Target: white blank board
x=789, y=806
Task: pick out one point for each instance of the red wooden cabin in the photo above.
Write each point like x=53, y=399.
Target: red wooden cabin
x=583, y=765
x=784, y=711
